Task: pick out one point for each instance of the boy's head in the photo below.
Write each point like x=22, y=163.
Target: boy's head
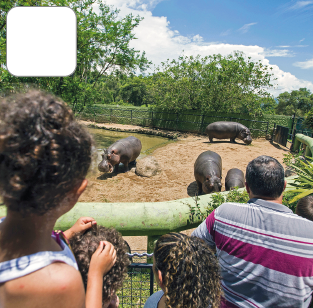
x=305, y=207
x=86, y=244
x=44, y=152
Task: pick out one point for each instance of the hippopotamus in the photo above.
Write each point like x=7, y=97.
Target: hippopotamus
x=123, y=151
x=208, y=172
x=231, y=130
x=234, y=177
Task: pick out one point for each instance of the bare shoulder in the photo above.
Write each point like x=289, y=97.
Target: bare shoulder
x=57, y=285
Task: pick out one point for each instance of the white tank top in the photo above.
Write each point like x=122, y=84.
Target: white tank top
x=25, y=265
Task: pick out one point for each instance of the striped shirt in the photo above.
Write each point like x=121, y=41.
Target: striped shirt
x=265, y=254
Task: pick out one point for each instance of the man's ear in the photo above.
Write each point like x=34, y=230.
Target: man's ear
x=247, y=188
x=82, y=187
x=285, y=184
x=160, y=278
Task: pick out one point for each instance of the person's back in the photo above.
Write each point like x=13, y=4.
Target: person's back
x=264, y=250
x=44, y=158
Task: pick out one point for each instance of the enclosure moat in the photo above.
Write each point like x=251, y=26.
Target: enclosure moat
x=177, y=159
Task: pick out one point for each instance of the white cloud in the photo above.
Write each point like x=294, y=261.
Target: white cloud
x=289, y=46
x=225, y=33
x=277, y=53
x=155, y=37
x=300, y=5
x=302, y=40
x=305, y=65
x=197, y=38
x=245, y=28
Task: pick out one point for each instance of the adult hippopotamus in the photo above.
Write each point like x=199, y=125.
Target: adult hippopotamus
x=208, y=172
x=123, y=151
x=234, y=177
x=231, y=130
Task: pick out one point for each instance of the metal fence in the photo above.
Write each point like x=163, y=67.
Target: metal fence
x=296, y=127
x=139, y=283
x=165, y=120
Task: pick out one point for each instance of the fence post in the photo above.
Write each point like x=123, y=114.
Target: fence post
x=151, y=281
x=176, y=121
x=273, y=131
x=150, y=245
x=111, y=115
x=152, y=119
x=131, y=117
x=267, y=128
x=201, y=126
x=293, y=140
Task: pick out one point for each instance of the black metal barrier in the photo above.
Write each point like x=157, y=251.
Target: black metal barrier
x=168, y=120
x=281, y=135
x=138, y=286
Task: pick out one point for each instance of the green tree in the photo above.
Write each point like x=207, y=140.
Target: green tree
x=232, y=83
x=134, y=91
x=297, y=102
x=103, y=47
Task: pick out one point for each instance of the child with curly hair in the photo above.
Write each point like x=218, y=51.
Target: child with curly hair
x=84, y=247
x=187, y=272
x=44, y=158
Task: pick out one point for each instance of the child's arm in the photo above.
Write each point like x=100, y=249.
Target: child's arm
x=101, y=262
x=82, y=224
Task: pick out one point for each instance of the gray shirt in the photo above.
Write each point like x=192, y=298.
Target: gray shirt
x=153, y=300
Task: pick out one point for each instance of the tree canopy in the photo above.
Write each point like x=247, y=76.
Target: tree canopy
x=297, y=102
x=230, y=83
x=103, y=47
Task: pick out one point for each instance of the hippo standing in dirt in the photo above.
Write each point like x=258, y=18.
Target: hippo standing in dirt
x=123, y=151
x=234, y=177
x=208, y=172
x=231, y=130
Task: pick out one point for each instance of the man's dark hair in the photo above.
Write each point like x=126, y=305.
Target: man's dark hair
x=265, y=177
x=305, y=207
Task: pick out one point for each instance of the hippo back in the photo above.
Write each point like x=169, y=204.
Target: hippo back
x=235, y=177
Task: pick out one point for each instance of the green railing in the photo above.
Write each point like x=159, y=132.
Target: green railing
x=150, y=219
x=307, y=141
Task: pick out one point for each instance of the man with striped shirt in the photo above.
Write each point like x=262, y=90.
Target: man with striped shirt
x=264, y=250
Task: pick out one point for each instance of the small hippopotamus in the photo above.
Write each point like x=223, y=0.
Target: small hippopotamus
x=123, y=151
x=231, y=130
x=234, y=177
x=208, y=172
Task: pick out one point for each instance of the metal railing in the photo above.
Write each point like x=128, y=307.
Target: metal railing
x=138, y=285
x=167, y=120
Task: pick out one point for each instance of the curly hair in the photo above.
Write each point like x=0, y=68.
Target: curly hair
x=85, y=245
x=44, y=152
x=190, y=271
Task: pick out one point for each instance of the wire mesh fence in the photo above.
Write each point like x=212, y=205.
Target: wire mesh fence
x=166, y=120
x=139, y=283
x=138, y=286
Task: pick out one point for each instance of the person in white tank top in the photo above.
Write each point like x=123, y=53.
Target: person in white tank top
x=44, y=158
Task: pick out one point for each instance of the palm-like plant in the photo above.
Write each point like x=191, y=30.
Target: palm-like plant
x=304, y=182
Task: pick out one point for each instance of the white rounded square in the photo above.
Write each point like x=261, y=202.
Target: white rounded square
x=41, y=41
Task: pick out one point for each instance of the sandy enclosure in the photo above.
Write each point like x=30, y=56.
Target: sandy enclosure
x=177, y=178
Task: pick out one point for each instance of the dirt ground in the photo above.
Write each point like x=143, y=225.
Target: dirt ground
x=176, y=180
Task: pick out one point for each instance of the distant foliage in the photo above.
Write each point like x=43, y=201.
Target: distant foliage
x=298, y=102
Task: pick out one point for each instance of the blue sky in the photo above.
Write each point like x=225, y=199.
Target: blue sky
x=279, y=33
